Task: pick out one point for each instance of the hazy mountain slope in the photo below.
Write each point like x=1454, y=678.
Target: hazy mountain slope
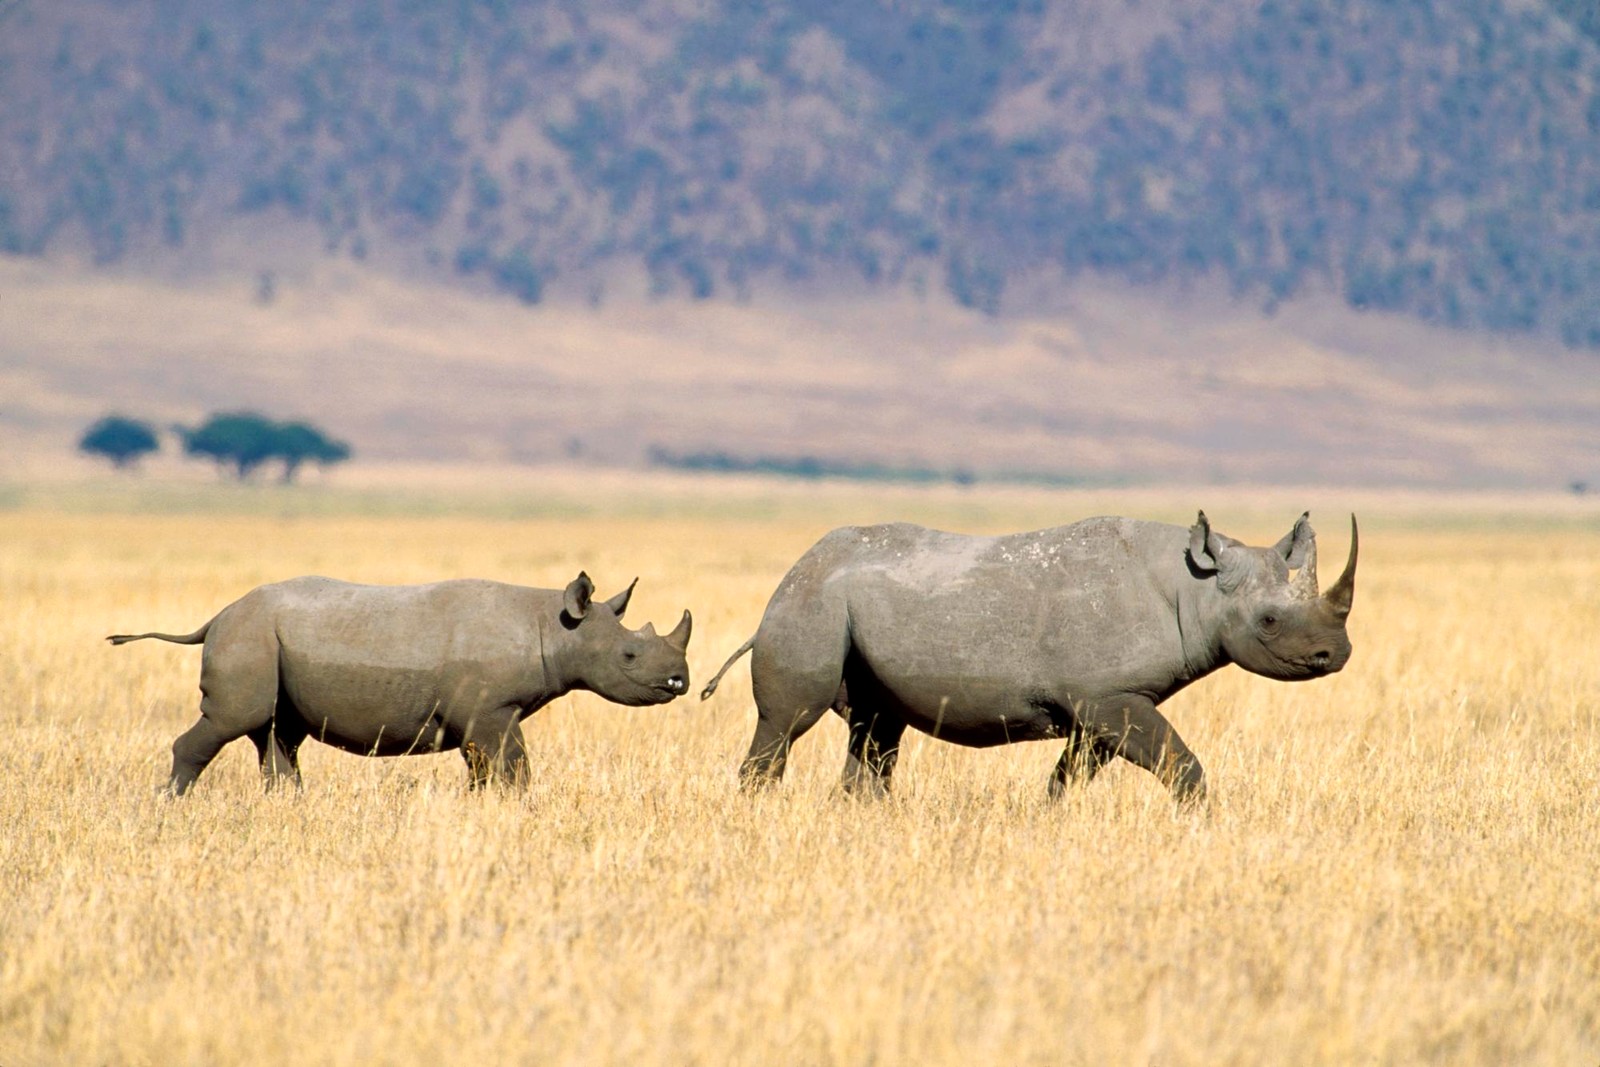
x=1436, y=157
x=1583, y=14
x=1122, y=384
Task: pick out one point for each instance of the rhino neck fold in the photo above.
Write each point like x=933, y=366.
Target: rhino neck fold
x=1197, y=628
x=548, y=656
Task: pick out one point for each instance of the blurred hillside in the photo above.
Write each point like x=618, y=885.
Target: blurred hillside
x=1119, y=385
x=1439, y=158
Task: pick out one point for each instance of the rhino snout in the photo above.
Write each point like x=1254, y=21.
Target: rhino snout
x=1329, y=660
x=678, y=683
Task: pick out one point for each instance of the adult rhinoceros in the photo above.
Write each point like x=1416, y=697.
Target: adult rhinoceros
x=1076, y=632
x=395, y=670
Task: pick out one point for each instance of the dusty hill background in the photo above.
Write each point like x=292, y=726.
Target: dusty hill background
x=1430, y=156
x=1119, y=386
x=1287, y=241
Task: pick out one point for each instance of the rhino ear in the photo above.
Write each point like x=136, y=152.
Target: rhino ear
x=1204, y=548
x=579, y=594
x=1297, y=542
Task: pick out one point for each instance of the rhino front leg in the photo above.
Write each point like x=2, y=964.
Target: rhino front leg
x=1080, y=761
x=1131, y=727
x=495, y=756
x=874, y=750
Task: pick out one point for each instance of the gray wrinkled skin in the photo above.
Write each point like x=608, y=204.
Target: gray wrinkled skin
x=395, y=670
x=1074, y=633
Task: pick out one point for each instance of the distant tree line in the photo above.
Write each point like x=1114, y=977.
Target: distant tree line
x=809, y=467
x=239, y=442
x=715, y=461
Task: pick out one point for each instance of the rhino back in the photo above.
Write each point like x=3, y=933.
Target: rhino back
x=359, y=659
x=1080, y=610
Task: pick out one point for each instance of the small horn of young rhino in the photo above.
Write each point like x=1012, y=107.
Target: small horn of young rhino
x=1342, y=593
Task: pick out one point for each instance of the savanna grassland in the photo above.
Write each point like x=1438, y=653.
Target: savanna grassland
x=1399, y=864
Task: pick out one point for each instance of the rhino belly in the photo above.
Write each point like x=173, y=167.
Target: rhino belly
x=967, y=708
x=383, y=713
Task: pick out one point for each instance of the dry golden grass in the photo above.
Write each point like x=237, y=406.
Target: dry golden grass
x=1398, y=866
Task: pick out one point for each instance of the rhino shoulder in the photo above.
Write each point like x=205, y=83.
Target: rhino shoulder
x=878, y=534
x=1108, y=536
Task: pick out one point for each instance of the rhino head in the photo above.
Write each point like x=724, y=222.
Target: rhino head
x=1270, y=623
x=633, y=667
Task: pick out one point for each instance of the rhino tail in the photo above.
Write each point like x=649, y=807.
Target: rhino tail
x=711, y=686
x=195, y=638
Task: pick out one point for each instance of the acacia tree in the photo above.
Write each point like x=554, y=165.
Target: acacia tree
x=243, y=441
x=122, y=440
x=298, y=442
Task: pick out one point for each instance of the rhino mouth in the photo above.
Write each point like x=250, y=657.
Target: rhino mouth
x=660, y=692
x=1319, y=663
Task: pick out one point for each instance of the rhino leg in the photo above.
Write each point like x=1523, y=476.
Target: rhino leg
x=278, y=745
x=239, y=692
x=791, y=699
x=1080, y=761
x=775, y=733
x=874, y=750
x=1132, y=728
x=193, y=751
x=494, y=751
x=769, y=748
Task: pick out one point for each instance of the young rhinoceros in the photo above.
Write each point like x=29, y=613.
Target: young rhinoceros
x=396, y=670
x=1075, y=632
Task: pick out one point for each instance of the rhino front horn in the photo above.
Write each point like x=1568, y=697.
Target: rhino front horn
x=1343, y=592
x=679, y=637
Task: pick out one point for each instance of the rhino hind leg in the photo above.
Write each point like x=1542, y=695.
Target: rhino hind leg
x=791, y=699
x=193, y=751
x=769, y=748
x=874, y=750
x=777, y=731
x=239, y=694
x=278, y=745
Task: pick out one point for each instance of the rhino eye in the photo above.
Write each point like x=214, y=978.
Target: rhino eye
x=629, y=656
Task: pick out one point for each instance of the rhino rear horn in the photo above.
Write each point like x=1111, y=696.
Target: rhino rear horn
x=679, y=637
x=619, y=603
x=1342, y=593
